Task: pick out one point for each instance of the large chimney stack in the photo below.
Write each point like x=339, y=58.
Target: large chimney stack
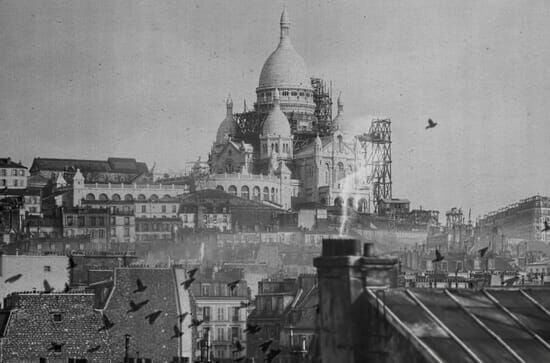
x=345, y=269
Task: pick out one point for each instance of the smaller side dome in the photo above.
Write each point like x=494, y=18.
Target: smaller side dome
x=228, y=126
x=276, y=122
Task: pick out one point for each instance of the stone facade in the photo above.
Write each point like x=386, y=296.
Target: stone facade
x=12, y=175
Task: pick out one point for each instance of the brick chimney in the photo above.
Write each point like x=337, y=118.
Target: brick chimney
x=345, y=269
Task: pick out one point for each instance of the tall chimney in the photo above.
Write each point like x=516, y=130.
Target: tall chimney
x=345, y=270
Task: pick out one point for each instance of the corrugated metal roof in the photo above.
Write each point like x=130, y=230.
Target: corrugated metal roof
x=490, y=325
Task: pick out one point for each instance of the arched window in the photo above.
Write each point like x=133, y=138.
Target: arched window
x=256, y=193
x=351, y=202
x=228, y=167
x=90, y=196
x=166, y=196
x=341, y=171
x=245, y=192
x=103, y=196
x=220, y=187
x=128, y=197
x=266, y=193
x=142, y=197
x=115, y=197
x=338, y=202
x=340, y=144
x=273, y=199
x=362, y=207
x=276, y=148
x=232, y=190
x=327, y=174
x=154, y=198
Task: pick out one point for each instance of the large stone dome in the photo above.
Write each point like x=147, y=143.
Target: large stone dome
x=284, y=68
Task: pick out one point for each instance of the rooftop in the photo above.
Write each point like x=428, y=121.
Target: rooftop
x=9, y=163
x=491, y=325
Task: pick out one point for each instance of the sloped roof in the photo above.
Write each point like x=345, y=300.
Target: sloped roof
x=111, y=165
x=9, y=163
x=492, y=325
x=161, y=295
x=31, y=328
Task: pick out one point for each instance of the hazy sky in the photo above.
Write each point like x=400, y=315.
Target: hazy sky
x=148, y=79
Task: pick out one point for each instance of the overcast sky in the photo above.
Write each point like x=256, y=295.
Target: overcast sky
x=148, y=79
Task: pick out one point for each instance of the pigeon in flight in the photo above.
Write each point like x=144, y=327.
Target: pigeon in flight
x=272, y=354
x=238, y=347
x=252, y=328
x=153, y=316
x=182, y=316
x=245, y=304
x=107, y=324
x=13, y=278
x=483, y=251
x=233, y=284
x=47, y=287
x=546, y=227
x=140, y=286
x=438, y=256
x=187, y=283
x=177, y=332
x=195, y=322
x=94, y=349
x=135, y=307
x=431, y=124
x=191, y=273
x=265, y=345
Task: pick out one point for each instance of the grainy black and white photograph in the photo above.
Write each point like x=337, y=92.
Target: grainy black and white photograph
x=312, y=181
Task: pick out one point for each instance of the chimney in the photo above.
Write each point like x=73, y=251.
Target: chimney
x=345, y=269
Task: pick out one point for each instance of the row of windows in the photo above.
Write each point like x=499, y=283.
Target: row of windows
x=146, y=227
x=14, y=172
x=232, y=314
x=162, y=209
x=14, y=182
x=245, y=192
x=286, y=94
x=127, y=197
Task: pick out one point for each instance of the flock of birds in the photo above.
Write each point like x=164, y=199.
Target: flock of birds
x=152, y=317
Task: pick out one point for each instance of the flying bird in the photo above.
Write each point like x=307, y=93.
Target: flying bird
x=135, y=307
x=238, y=347
x=272, y=354
x=187, y=283
x=72, y=264
x=47, y=287
x=107, y=324
x=67, y=288
x=13, y=278
x=265, y=345
x=546, y=227
x=94, y=349
x=153, y=316
x=252, y=328
x=195, y=322
x=245, y=304
x=182, y=316
x=177, y=332
x=431, y=124
x=191, y=273
x=483, y=251
x=438, y=256
x=510, y=281
x=233, y=284
x=140, y=286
